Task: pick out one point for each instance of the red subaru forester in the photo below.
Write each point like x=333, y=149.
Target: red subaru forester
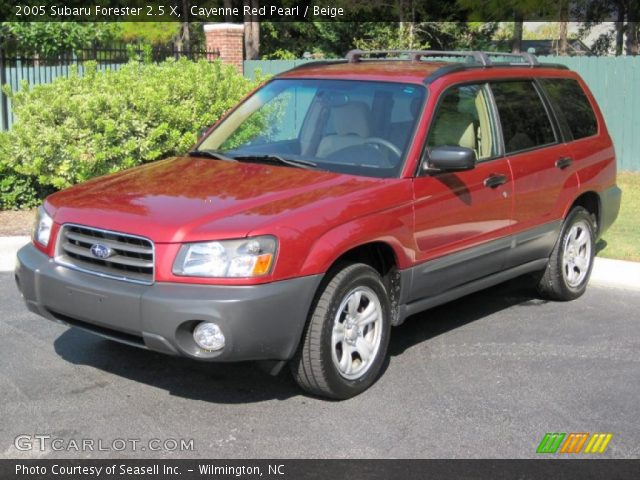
x=328, y=206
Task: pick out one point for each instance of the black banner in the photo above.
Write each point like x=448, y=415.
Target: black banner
x=319, y=469
x=317, y=10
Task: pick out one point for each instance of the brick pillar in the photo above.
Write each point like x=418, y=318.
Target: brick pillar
x=228, y=38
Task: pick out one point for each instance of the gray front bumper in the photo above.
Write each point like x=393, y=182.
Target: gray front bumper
x=260, y=322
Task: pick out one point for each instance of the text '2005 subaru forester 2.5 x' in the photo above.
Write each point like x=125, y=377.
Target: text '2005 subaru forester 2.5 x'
x=329, y=205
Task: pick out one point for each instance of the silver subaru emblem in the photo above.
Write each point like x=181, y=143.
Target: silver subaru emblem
x=101, y=251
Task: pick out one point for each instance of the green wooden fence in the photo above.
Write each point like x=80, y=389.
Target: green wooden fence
x=269, y=67
x=614, y=81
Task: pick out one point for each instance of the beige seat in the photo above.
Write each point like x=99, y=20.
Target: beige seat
x=352, y=125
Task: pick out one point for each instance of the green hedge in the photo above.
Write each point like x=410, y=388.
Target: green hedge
x=87, y=125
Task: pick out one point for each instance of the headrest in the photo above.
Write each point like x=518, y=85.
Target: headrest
x=352, y=119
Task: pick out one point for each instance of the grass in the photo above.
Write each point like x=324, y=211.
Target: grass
x=622, y=240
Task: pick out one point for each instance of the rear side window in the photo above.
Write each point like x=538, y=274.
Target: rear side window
x=523, y=117
x=572, y=106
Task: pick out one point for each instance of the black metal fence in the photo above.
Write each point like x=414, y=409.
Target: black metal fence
x=15, y=68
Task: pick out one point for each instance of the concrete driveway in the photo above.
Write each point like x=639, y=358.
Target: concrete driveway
x=485, y=376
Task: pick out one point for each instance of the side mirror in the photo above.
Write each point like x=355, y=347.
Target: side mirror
x=450, y=159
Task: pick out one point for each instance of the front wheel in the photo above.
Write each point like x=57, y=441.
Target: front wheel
x=570, y=264
x=345, y=341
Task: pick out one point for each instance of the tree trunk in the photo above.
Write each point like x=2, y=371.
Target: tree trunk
x=620, y=29
x=252, y=34
x=633, y=46
x=401, y=11
x=411, y=35
x=633, y=26
x=227, y=5
x=564, y=17
x=185, y=32
x=518, y=27
x=412, y=25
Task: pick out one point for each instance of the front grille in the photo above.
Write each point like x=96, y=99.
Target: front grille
x=130, y=257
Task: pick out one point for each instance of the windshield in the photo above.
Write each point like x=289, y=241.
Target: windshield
x=355, y=127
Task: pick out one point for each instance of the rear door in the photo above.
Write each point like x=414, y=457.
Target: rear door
x=542, y=166
x=590, y=145
x=462, y=221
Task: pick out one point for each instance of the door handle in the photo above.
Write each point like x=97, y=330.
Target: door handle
x=564, y=162
x=495, y=180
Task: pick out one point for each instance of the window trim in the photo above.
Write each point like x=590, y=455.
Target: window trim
x=551, y=113
x=497, y=126
x=550, y=116
x=494, y=120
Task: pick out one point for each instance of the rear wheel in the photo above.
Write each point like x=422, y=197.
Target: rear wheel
x=570, y=264
x=345, y=341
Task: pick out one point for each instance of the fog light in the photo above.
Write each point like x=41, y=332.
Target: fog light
x=208, y=336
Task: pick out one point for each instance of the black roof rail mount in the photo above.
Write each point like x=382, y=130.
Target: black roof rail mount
x=480, y=58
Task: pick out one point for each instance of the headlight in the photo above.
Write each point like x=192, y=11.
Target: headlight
x=249, y=257
x=42, y=230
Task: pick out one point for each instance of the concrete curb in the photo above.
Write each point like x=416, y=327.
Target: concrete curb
x=9, y=246
x=616, y=273
x=607, y=272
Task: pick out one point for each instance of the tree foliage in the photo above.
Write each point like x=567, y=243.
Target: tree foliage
x=52, y=38
x=152, y=33
x=334, y=39
x=623, y=36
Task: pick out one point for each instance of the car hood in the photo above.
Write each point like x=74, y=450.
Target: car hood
x=191, y=199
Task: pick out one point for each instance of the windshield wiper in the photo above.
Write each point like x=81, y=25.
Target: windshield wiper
x=277, y=159
x=210, y=154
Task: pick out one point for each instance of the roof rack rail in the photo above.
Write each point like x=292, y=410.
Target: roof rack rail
x=481, y=58
x=317, y=63
x=355, y=56
x=525, y=56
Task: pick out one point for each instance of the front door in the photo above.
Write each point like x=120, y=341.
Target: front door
x=462, y=219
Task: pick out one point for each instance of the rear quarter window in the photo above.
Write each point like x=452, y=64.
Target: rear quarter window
x=572, y=106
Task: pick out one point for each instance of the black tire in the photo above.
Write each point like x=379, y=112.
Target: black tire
x=555, y=283
x=313, y=366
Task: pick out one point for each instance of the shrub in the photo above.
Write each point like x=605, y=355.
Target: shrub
x=105, y=121
x=17, y=191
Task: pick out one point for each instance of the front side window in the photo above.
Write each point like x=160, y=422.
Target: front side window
x=463, y=119
x=523, y=117
x=356, y=127
x=572, y=106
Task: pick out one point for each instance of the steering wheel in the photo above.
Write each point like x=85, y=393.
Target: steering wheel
x=385, y=143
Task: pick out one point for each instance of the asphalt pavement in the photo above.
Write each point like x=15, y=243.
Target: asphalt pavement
x=484, y=376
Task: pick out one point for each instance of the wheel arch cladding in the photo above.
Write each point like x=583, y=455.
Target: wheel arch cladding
x=382, y=257
x=591, y=202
